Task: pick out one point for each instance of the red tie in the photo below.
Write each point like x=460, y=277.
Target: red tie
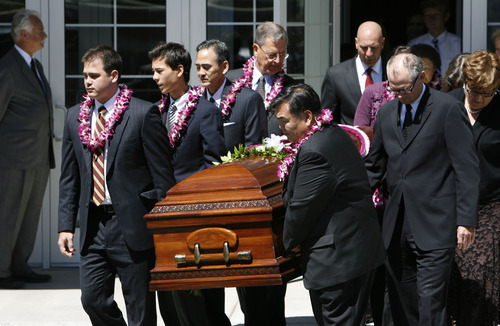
x=369, y=80
x=98, y=162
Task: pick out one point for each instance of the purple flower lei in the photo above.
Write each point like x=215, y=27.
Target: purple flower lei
x=92, y=141
x=284, y=168
x=246, y=81
x=183, y=115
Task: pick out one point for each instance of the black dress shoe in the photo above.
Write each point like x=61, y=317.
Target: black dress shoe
x=34, y=278
x=11, y=283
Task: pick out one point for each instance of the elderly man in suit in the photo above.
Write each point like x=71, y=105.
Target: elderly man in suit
x=265, y=72
x=26, y=128
x=116, y=164
x=242, y=109
x=345, y=82
x=329, y=211
x=423, y=146
x=196, y=135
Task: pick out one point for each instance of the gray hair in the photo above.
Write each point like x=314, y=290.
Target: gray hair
x=410, y=61
x=22, y=21
x=269, y=29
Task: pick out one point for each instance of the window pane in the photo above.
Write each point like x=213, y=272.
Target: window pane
x=146, y=11
x=144, y=88
x=295, y=11
x=74, y=91
x=230, y=11
x=134, y=44
x=493, y=11
x=264, y=10
x=88, y=11
x=295, y=61
x=7, y=11
x=239, y=39
x=79, y=40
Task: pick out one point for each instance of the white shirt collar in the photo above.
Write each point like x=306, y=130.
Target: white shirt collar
x=256, y=76
x=109, y=105
x=181, y=101
x=376, y=73
x=24, y=54
x=218, y=94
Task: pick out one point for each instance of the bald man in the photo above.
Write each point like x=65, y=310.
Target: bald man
x=345, y=82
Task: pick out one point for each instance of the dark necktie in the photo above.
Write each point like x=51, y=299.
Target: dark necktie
x=261, y=88
x=435, y=43
x=171, y=117
x=369, y=80
x=408, y=121
x=33, y=69
x=99, y=194
x=212, y=100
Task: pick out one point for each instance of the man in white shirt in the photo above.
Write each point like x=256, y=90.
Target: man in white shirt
x=345, y=82
x=436, y=14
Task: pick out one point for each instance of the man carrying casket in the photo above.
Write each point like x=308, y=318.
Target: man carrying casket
x=329, y=211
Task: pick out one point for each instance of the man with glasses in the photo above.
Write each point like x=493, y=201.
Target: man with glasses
x=448, y=45
x=423, y=146
x=345, y=82
x=264, y=72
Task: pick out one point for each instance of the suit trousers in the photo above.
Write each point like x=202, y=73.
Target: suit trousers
x=187, y=308
x=263, y=305
x=21, y=197
x=104, y=256
x=343, y=304
x=418, y=280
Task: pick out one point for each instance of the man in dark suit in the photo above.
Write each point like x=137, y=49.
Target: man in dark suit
x=242, y=109
x=345, y=82
x=197, y=138
x=266, y=75
x=329, y=210
x=116, y=164
x=26, y=129
x=423, y=145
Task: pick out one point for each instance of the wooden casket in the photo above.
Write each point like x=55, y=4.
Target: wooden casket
x=222, y=227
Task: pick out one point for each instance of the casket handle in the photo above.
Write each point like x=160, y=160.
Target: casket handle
x=226, y=257
x=197, y=254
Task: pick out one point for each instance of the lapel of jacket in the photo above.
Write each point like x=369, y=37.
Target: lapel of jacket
x=26, y=71
x=424, y=110
x=353, y=80
x=115, y=140
x=396, y=124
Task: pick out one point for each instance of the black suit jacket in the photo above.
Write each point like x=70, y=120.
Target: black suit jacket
x=340, y=90
x=329, y=211
x=435, y=171
x=247, y=122
x=272, y=121
x=139, y=172
x=26, y=119
x=201, y=143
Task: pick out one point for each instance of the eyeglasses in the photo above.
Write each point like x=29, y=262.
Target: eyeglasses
x=402, y=91
x=273, y=55
x=471, y=92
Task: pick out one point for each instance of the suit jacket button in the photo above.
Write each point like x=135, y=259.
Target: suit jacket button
x=403, y=178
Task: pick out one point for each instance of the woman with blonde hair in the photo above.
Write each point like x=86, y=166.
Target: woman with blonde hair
x=475, y=286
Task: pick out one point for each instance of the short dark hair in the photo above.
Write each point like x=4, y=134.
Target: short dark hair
x=174, y=55
x=300, y=97
x=427, y=51
x=442, y=5
x=220, y=48
x=111, y=59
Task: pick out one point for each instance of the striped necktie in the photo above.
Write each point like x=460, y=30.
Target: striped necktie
x=261, y=87
x=435, y=42
x=171, y=117
x=99, y=194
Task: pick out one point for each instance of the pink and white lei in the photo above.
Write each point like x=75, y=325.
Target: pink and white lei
x=286, y=164
x=246, y=81
x=92, y=141
x=183, y=114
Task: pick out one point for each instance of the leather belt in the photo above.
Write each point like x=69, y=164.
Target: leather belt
x=107, y=209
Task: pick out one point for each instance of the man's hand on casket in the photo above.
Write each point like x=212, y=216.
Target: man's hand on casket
x=292, y=252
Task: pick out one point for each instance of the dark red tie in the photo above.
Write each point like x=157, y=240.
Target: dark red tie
x=369, y=80
x=98, y=162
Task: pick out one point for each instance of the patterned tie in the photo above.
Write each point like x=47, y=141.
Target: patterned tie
x=369, y=80
x=408, y=121
x=435, y=43
x=98, y=162
x=33, y=68
x=171, y=117
x=261, y=88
